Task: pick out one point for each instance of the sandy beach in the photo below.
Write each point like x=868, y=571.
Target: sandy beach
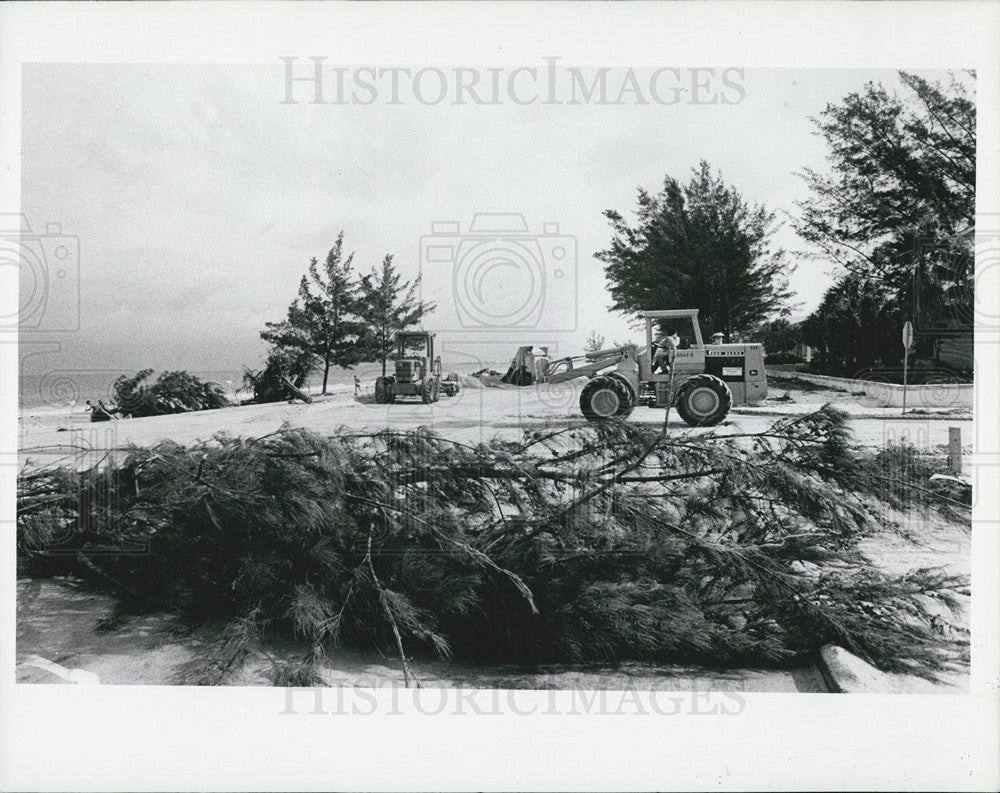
x=50, y=436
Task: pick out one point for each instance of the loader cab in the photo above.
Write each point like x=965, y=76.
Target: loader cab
x=690, y=356
x=414, y=344
x=415, y=356
x=740, y=366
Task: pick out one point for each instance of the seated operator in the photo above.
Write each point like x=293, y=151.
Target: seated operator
x=664, y=346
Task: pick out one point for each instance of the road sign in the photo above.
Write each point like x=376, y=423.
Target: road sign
x=907, y=335
x=907, y=343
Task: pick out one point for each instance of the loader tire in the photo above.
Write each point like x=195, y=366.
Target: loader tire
x=704, y=400
x=605, y=398
x=385, y=393
x=628, y=405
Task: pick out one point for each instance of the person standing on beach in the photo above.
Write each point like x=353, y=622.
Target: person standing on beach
x=357, y=386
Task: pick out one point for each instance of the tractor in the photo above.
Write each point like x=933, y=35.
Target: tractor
x=451, y=384
x=417, y=371
x=702, y=381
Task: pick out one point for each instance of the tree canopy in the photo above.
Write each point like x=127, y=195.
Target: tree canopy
x=897, y=207
x=323, y=319
x=594, y=342
x=698, y=245
x=388, y=305
x=778, y=335
x=857, y=325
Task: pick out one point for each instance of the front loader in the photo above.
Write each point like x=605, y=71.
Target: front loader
x=703, y=381
x=417, y=373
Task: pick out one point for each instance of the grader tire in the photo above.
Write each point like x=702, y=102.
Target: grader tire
x=427, y=392
x=605, y=398
x=385, y=394
x=704, y=400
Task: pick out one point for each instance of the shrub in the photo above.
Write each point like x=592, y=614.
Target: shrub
x=783, y=357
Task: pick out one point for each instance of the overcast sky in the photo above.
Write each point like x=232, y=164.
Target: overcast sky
x=199, y=198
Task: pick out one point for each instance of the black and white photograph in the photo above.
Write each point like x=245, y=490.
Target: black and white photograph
x=362, y=370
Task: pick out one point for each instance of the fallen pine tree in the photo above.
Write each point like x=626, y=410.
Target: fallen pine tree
x=599, y=543
x=172, y=392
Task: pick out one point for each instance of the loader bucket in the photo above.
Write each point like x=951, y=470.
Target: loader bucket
x=522, y=367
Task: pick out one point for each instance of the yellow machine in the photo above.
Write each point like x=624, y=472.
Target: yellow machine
x=417, y=373
x=702, y=381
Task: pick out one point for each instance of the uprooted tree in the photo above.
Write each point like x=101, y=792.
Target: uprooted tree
x=284, y=364
x=171, y=392
x=605, y=542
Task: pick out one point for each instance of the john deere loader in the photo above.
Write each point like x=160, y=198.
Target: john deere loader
x=703, y=381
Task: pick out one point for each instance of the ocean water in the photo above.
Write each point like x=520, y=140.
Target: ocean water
x=62, y=389
x=68, y=388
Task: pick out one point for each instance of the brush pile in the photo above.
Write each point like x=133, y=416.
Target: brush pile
x=599, y=543
x=268, y=384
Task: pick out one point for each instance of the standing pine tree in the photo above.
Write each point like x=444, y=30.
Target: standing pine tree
x=896, y=208
x=388, y=305
x=701, y=246
x=323, y=319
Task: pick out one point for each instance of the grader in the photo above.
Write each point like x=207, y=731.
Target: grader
x=702, y=381
x=417, y=373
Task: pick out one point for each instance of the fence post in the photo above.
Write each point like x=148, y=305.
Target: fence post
x=955, y=449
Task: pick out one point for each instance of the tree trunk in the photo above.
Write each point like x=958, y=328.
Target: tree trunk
x=326, y=374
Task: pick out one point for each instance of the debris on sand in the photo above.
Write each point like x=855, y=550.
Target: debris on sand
x=484, y=378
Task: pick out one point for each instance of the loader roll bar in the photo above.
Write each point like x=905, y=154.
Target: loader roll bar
x=677, y=313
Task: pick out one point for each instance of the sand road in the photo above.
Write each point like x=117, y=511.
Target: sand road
x=50, y=436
